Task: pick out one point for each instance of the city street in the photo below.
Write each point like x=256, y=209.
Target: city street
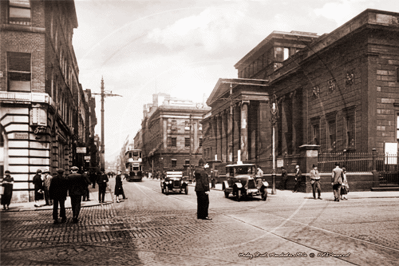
x=150, y=228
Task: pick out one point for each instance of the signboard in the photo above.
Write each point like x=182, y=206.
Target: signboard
x=391, y=152
x=280, y=163
x=80, y=149
x=87, y=158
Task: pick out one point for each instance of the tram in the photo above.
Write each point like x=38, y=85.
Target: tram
x=134, y=166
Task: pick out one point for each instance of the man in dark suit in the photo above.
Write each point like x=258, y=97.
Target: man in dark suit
x=202, y=191
x=336, y=180
x=77, y=188
x=102, y=181
x=58, y=193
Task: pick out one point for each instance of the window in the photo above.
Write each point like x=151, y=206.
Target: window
x=174, y=162
x=173, y=142
x=200, y=142
x=316, y=134
x=173, y=125
x=286, y=53
x=350, y=132
x=332, y=135
x=19, y=12
x=187, y=142
x=19, y=71
x=279, y=54
x=187, y=162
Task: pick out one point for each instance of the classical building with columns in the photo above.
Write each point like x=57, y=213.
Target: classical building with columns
x=333, y=92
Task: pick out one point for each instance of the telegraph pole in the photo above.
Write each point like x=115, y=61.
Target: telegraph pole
x=103, y=95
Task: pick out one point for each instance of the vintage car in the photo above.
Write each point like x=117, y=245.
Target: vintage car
x=174, y=182
x=243, y=182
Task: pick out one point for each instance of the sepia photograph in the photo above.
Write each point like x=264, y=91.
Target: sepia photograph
x=199, y=132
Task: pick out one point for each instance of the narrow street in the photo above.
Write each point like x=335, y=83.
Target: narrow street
x=150, y=228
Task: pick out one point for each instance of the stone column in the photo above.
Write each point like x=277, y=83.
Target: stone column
x=215, y=131
x=244, y=131
x=223, y=137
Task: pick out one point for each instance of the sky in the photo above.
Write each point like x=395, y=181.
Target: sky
x=182, y=47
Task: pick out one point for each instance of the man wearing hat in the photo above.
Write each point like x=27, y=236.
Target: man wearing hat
x=58, y=193
x=315, y=182
x=202, y=191
x=38, y=183
x=77, y=188
x=298, y=178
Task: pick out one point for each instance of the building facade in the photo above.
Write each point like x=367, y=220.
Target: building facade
x=40, y=93
x=171, y=133
x=338, y=91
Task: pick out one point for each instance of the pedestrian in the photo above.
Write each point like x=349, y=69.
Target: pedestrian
x=58, y=193
x=298, y=178
x=77, y=184
x=345, y=185
x=46, y=186
x=336, y=180
x=202, y=191
x=315, y=182
x=259, y=172
x=93, y=178
x=38, y=184
x=284, y=178
x=86, y=196
x=7, y=184
x=118, y=186
x=102, y=181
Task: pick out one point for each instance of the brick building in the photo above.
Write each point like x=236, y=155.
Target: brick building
x=40, y=94
x=170, y=132
x=338, y=91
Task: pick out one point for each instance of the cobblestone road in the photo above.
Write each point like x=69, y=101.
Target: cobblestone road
x=150, y=228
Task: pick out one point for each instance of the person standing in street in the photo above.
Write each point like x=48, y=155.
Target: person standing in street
x=345, y=185
x=58, y=193
x=336, y=180
x=38, y=184
x=284, y=178
x=118, y=187
x=7, y=183
x=298, y=178
x=102, y=181
x=46, y=186
x=77, y=188
x=202, y=191
x=315, y=182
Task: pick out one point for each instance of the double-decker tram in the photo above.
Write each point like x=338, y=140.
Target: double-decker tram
x=134, y=167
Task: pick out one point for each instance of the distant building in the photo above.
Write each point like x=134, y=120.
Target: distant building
x=44, y=114
x=171, y=134
x=339, y=91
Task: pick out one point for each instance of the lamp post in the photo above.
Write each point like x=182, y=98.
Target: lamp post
x=274, y=113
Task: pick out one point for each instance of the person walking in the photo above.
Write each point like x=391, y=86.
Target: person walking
x=77, y=188
x=118, y=187
x=38, y=184
x=284, y=178
x=58, y=193
x=7, y=184
x=202, y=191
x=345, y=185
x=315, y=182
x=46, y=186
x=102, y=181
x=86, y=196
x=336, y=180
x=298, y=178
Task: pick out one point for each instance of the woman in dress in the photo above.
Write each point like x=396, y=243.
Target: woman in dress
x=8, y=183
x=118, y=186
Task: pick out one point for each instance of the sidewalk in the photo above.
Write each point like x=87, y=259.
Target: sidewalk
x=327, y=195
x=30, y=206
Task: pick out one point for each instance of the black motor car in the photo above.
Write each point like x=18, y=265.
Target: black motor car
x=242, y=182
x=174, y=182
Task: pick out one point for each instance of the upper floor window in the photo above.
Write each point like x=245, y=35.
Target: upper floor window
x=19, y=12
x=200, y=142
x=187, y=142
x=19, y=71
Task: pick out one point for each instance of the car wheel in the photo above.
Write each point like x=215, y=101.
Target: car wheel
x=239, y=195
x=163, y=191
x=264, y=195
x=186, y=190
x=226, y=194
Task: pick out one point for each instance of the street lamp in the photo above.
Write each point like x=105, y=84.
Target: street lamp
x=274, y=113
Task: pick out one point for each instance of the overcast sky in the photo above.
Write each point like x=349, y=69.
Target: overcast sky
x=182, y=47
